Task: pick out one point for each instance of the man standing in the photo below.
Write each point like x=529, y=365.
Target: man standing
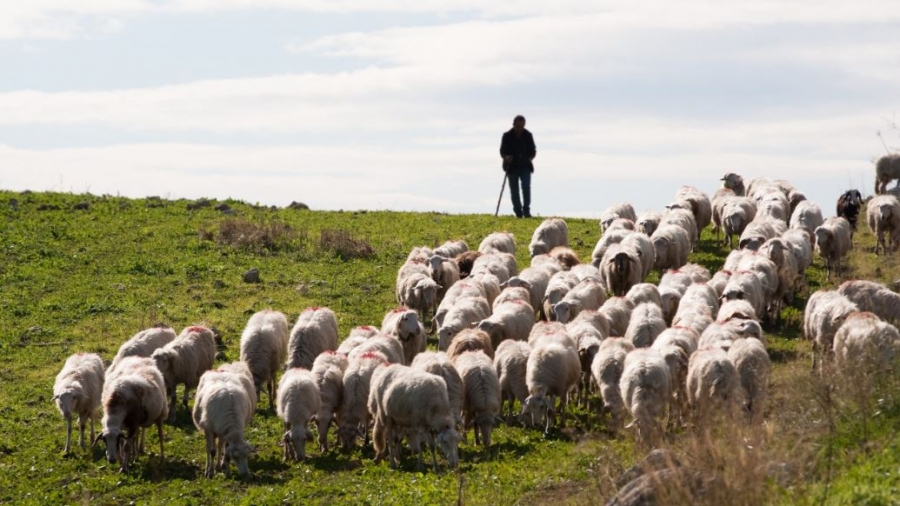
x=518, y=151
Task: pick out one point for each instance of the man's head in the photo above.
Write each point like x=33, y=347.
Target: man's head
x=519, y=123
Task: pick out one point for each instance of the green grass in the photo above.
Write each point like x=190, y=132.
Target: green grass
x=86, y=280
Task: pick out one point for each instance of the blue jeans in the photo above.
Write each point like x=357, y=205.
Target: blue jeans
x=525, y=179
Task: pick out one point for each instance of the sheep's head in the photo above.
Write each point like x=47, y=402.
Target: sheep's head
x=294, y=442
x=164, y=359
x=621, y=262
x=535, y=409
x=448, y=440
x=426, y=291
x=823, y=238
x=538, y=248
x=66, y=402
x=347, y=434
x=563, y=310
x=488, y=327
x=647, y=226
x=115, y=444
x=732, y=181
x=752, y=243
x=749, y=328
x=661, y=247
x=445, y=335
x=408, y=324
x=239, y=453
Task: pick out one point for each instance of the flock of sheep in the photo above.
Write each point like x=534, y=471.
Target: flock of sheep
x=555, y=332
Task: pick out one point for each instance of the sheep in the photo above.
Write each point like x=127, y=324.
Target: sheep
x=620, y=224
x=551, y=233
x=566, y=257
x=533, y=279
x=328, y=370
x=412, y=266
x=609, y=238
x=593, y=319
x=644, y=387
x=648, y=222
x=760, y=230
x=774, y=205
x=752, y=363
x=873, y=297
x=697, y=203
x=547, y=263
x=621, y=268
x=388, y=346
x=701, y=294
x=780, y=254
x=488, y=283
x=617, y=311
x=264, y=348
x=676, y=358
x=800, y=246
x=807, y=217
x=736, y=308
x=606, y=371
x=712, y=383
x=559, y=285
x=866, y=345
x=825, y=311
x=616, y=211
x=133, y=397
x=848, y=206
x=745, y=285
x=642, y=244
x=439, y=364
x=404, y=324
x=513, y=320
x=684, y=219
x=77, y=390
x=645, y=325
x=144, y=343
x=354, y=415
x=184, y=360
x=298, y=400
x=503, y=242
x=735, y=183
x=222, y=410
x=445, y=273
x=551, y=372
x=451, y=249
x=245, y=376
x=463, y=314
x=833, y=243
x=887, y=168
x=349, y=344
x=378, y=385
x=481, y=399
x=419, y=254
x=588, y=294
x=364, y=331
x=644, y=292
x=417, y=402
x=464, y=262
x=883, y=217
x=461, y=290
x=718, y=204
x=470, y=340
x=510, y=363
x=315, y=331
x=767, y=272
x=418, y=291
x=736, y=213
x=720, y=280
x=672, y=245
x=502, y=265
x=513, y=294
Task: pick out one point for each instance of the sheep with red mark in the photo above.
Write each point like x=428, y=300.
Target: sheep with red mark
x=646, y=323
x=470, y=340
x=586, y=295
x=144, y=343
x=512, y=320
x=551, y=233
x=439, y=364
x=464, y=314
x=751, y=360
x=264, y=349
x=316, y=331
x=510, y=363
x=298, y=400
x=328, y=370
x=222, y=410
x=184, y=360
x=403, y=324
x=481, y=394
x=354, y=415
x=503, y=242
x=77, y=391
x=617, y=311
x=451, y=249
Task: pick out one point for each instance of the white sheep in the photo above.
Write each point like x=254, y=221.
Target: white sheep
x=451, y=249
x=774, y=205
x=778, y=251
x=546, y=263
x=751, y=360
x=264, y=349
x=557, y=288
x=498, y=241
x=833, y=240
x=488, y=283
x=245, y=376
x=481, y=398
x=736, y=308
x=712, y=383
x=616, y=211
x=418, y=291
x=702, y=294
x=697, y=320
x=535, y=280
x=644, y=387
x=510, y=363
x=586, y=295
x=736, y=213
x=807, y=216
x=298, y=400
x=883, y=217
x=746, y=285
x=592, y=319
x=683, y=218
x=502, y=265
x=144, y=343
x=642, y=244
x=445, y=274
x=403, y=324
x=470, y=340
x=644, y=292
x=551, y=233
x=184, y=360
x=463, y=289
x=439, y=364
x=865, y=345
x=617, y=311
x=419, y=254
x=698, y=203
x=328, y=370
x=566, y=257
x=134, y=397
x=760, y=230
x=222, y=410
x=378, y=384
x=364, y=331
x=551, y=372
x=646, y=323
x=621, y=268
x=354, y=415
x=77, y=391
x=316, y=331
x=800, y=245
x=348, y=345
x=620, y=224
x=873, y=297
x=388, y=346
x=648, y=221
x=718, y=204
x=672, y=245
x=512, y=294
x=606, y=371
x=512, y=320
x=608, y=239
x=767, y=272
x=464, y=313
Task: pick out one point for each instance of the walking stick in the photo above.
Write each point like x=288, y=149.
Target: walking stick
x=505, y=176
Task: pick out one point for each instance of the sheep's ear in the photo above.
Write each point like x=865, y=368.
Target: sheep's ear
x=55, y=397
x=504, y=284
x=100, y=436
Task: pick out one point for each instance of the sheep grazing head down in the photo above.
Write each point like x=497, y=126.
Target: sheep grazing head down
x=165, y=360
x=347, y=435
x=538, y=248
x=426, y=291
x=563, y=310
x=116, y=443
x=752, y=243
x=66, y=401
x=239, y=453
x=537, y=410
x=294, y=442
x=448, y=440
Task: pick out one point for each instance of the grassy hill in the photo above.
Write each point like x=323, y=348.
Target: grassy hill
x=84, y=273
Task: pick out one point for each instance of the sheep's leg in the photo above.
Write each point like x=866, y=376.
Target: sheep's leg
x=210, y=455
x=433, y=454
x=68, y=433
x=81, y=423
x=563, y=402
x=271, y=388
x=170, y=395
x=185, y=398
x=322, y=422
x=159, y=433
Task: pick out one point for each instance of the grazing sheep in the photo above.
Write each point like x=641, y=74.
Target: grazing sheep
x=445, y=273
x=883, y=216
x=609, y=238
x=77, y=390
x=388, y=346
x=264, y=348
x=316, y=331
x=144, y=343
x=672, y=245
x=644, y=292
x=736, y=213
x=643, y=246
x=807, y=217
x=617, y=311
x=718, y=204
x=551, y=233
x=616, y=211
x=133, y=398
x=547, y=263
x=243, y=374
x=557, y=288
x=488, y=283
x=865, y=345
x=503, y=242
x=720, y=280
x=848, y=206
x=551, y=372
x=378, y=384
x=470, y=340
x=701, y=294
x=463, y=289
x=298, y=400
x=439, y=364
x=697, y=203
x=800, y=247
x=412, y=266
x=593, y=319
x=419, y=254
x=404, y=324
x=536, y=281
x=644, y=386
x=873, y=297
x=364, y=331
x=735, y=183
x=502, y=265
x=418, y=291
x=328, y=370
x=566, y=257
x=510, y=363
x=746, y=285
x=451, y=249
x=693, y=317
x=349, y=344
x=512, y=320
x=512, y=294
x=464, y=262
x=184, y=360
x=645, y=325
x=833, y=242
x=824, y=314
x=606, y=370
x=712, y=383
x=767, y=272
x=648, y=222
x=774, y=205
x=222, y=410
x=781, y=255
x=481, y=399
x=684, y=219
x=621, y=268
x=759, y=231
x=887, y=168
x=620, y=224
x=677, y=362
x=464, y=314
x=416, y=402
x=588, y=294
x=752, y=363
x=736, y=308
x=354, y=414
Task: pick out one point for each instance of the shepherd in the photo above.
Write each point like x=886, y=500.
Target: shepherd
x=518, y=151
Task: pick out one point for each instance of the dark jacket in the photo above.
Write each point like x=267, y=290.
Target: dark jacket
x=521, y=148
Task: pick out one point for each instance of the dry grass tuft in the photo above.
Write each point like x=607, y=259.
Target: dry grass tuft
x=343, y=245
x=258, y=237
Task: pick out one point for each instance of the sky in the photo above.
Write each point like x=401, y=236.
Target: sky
x=400, y=104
